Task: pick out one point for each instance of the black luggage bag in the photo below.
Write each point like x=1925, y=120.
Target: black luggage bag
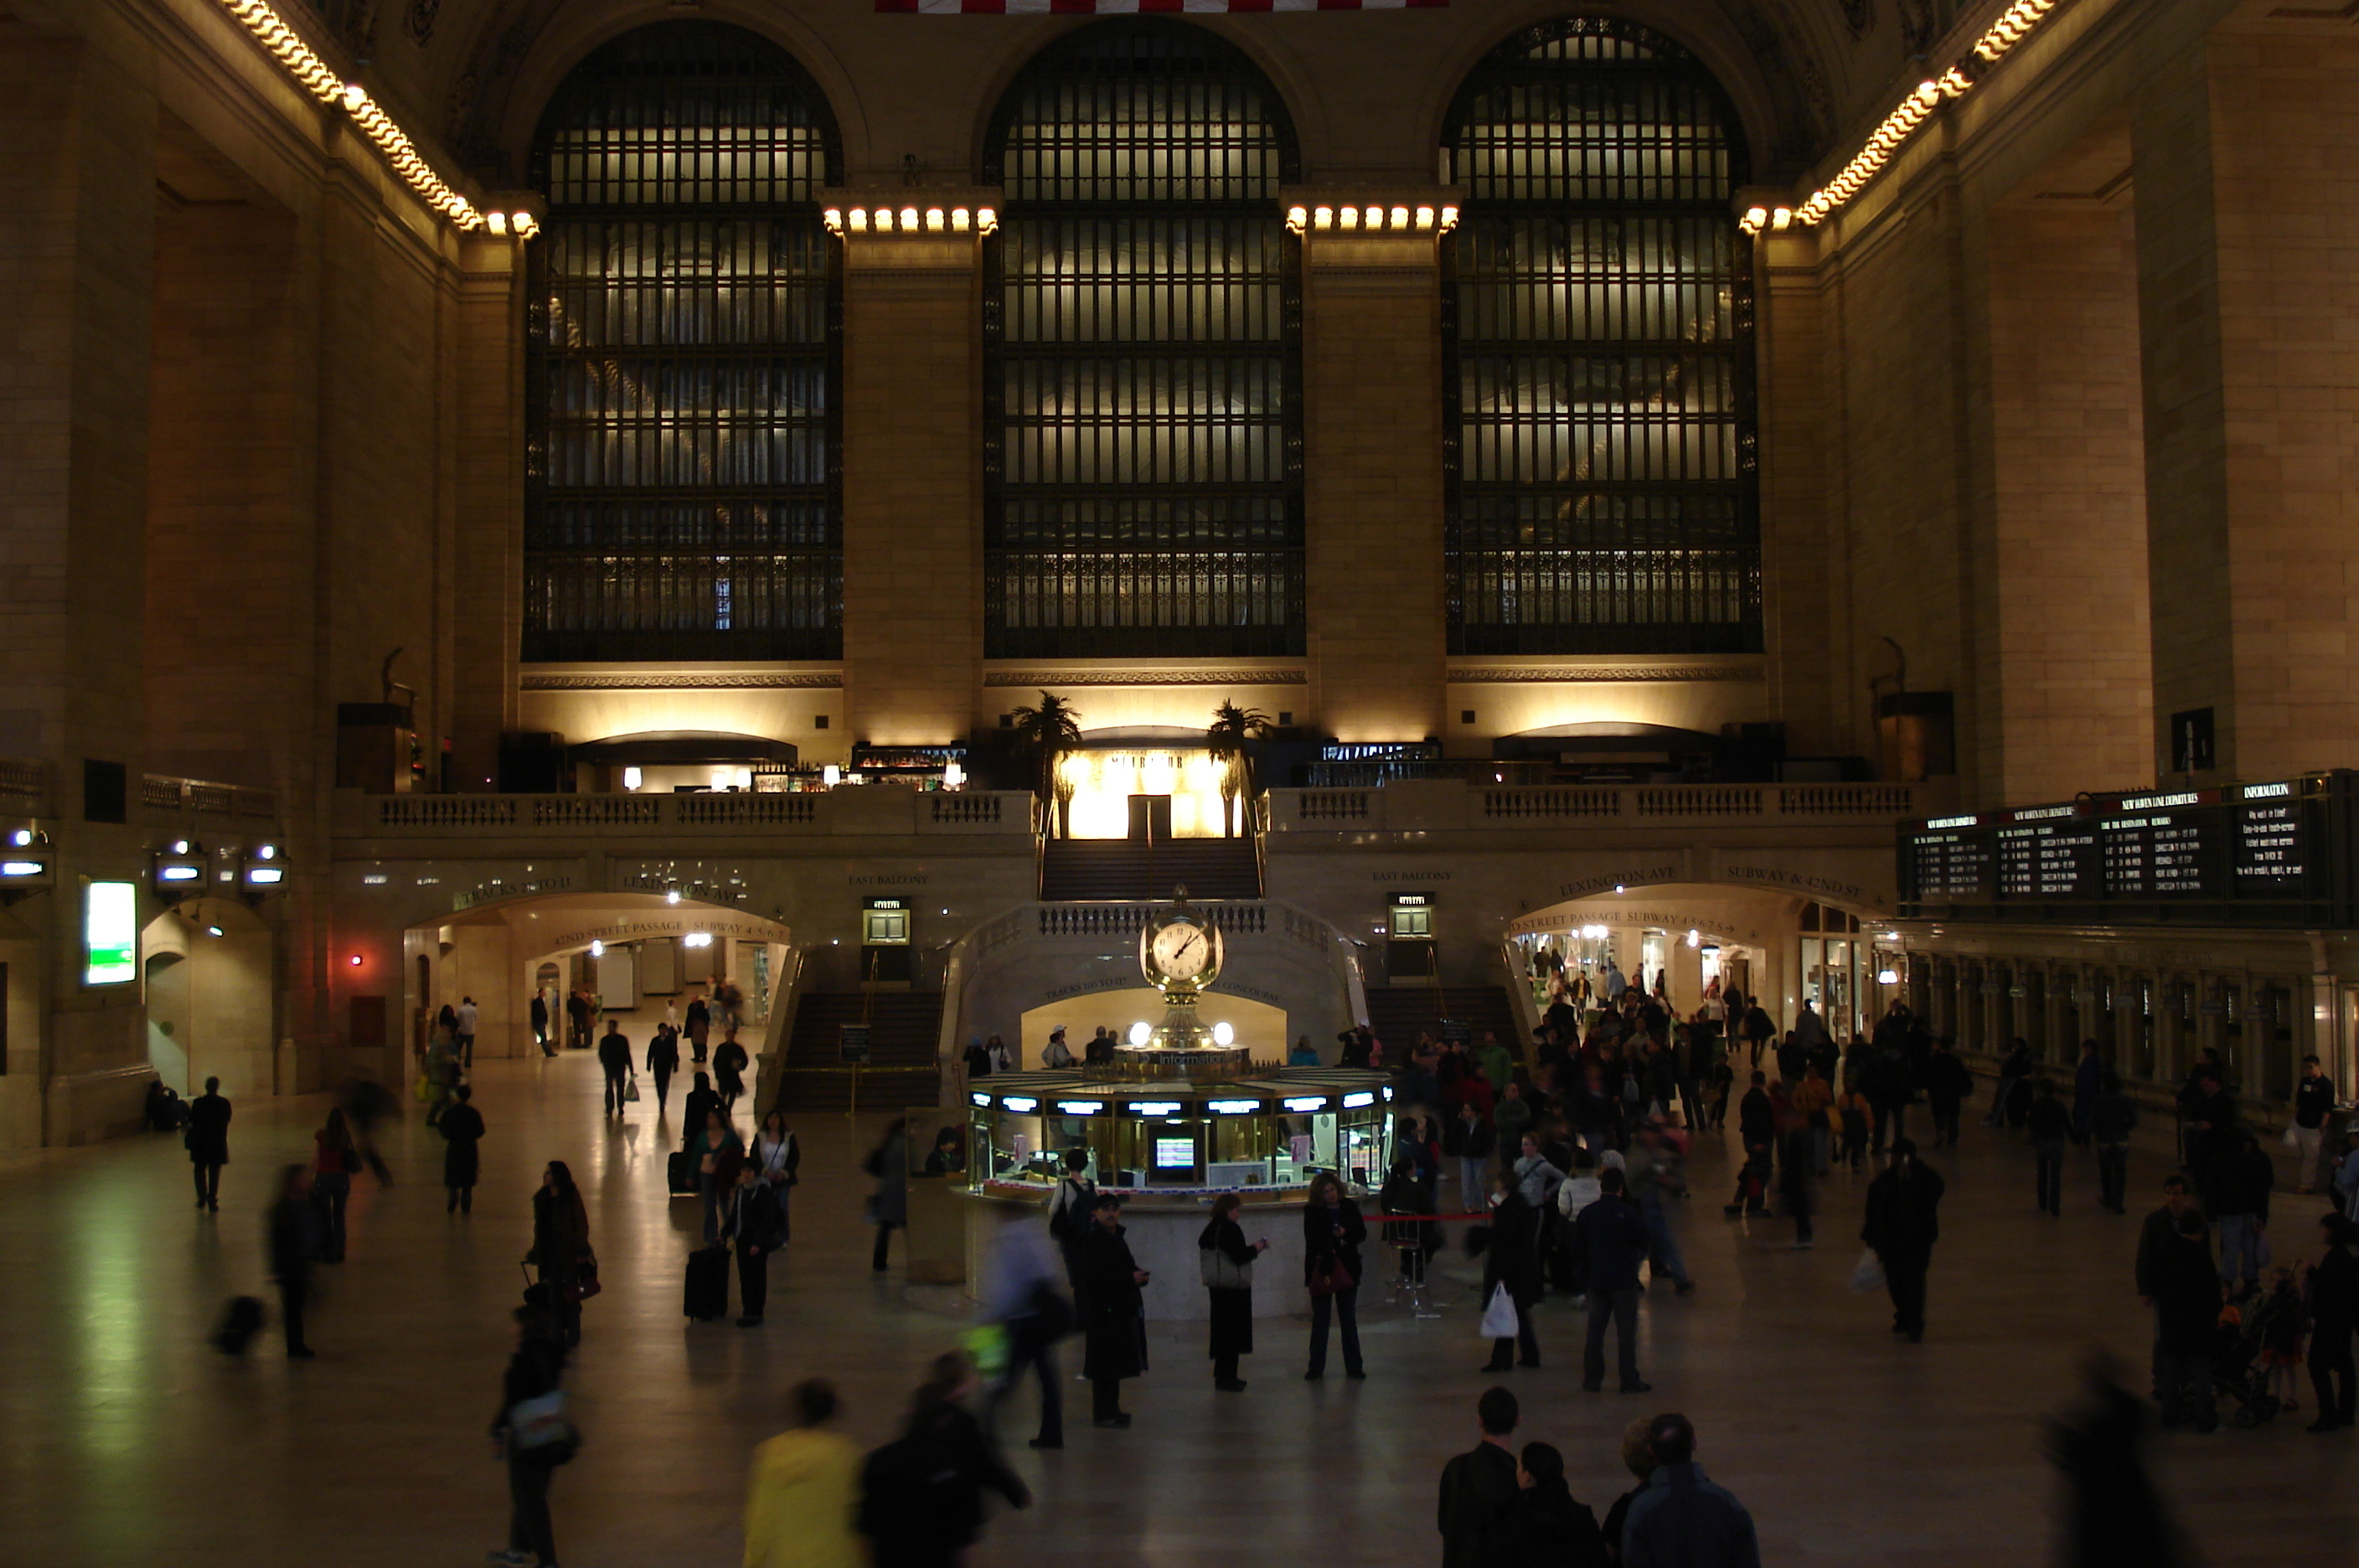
x=239, y=1325
x=706, y=1295
x=679, y=1174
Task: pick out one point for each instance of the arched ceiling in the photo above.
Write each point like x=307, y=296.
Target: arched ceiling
x=912, y=92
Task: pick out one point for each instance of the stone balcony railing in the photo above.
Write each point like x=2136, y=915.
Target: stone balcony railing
x=863, y=810
x=1455, y=805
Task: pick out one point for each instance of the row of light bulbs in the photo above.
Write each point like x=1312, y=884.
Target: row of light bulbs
x=2014, y=24
x=1373, y=220
x=910, y=219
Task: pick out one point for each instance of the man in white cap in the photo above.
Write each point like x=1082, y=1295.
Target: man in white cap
x=1058, y=1055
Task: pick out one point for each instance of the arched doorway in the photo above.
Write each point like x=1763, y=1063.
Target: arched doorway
x=206, y=964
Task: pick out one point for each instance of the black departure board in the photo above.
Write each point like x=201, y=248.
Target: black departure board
x=2284, y=853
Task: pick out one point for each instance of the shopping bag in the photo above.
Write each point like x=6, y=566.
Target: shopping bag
x=1499, y=1317
x=631, y=1092
x=2291, y=1137
x=1867, y=1274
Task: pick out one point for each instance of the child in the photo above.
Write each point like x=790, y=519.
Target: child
x=1853, y=1109
x=1722, y=1077
x=2281, y=1340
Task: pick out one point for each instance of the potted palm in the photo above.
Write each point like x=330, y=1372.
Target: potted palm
x=1045, y=734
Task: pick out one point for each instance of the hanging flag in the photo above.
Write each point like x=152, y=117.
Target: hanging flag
x=1138, y=7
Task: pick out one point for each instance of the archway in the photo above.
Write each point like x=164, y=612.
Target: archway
x=634, y=954
x=206, y=966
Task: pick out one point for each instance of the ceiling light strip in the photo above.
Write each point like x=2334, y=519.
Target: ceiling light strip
x=270, y=31
x=2014, y=24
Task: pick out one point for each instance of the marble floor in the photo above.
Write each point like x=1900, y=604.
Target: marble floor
x=126, y=1441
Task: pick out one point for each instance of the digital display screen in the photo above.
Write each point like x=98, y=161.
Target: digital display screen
x=1175, y=1153
x=110, y=933
x=2268, y=849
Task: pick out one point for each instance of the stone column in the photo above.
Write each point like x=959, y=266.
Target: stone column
x=2248, y=214
x=912, y=470
x=77, y=269
x=1372, y=461
x=488, y=618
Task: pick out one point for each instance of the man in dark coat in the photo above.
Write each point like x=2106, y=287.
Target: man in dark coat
x=663, y=1061
x=208, y=1141
x=1111, y=1304
x=1478, y=1487
x=615, y=1056
x=2187, y=1320
x=540, y=1023
x=2237, y=1183
x=2088, y=1083
x=1902, y=1226
x=1610, y=1240
x=462, y=1125
x=2155, y=1238
x=1947, y=1086
x=1756, y=1119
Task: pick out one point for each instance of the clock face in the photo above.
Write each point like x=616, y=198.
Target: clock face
x=1182, y=951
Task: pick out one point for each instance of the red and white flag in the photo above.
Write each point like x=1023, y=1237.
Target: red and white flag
x=1138, y=7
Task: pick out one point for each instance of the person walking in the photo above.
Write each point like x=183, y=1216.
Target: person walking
x=1112, y=1301
x=729, y=1061
x=2332, y=1288
x=1512, y=1262
x=717, y=1153
x=464, y=1030
x=615, y=1056
x=754, y=1223
x=579, y=1013
x=1020, y=1295
x=1477, y=1136
x=2313, y=1101
x=207, y=1139
x=1948, y=1086
x=561, y=1248
x=531, y=1432
x=462, y=1127
x=1332, y=1230
x=1681, y=1519
x=334, y=1159
x=888, y=1209
x=700, y=1025
x=2235, y=1187
x=294, y=1239
x=2112, y=1118
x=1609, y=1239
x=802, y=1495
x=663, y=1061
x=1658, y=1174
x=1225, y=1259
x=921, y=1495
x=2116, y=1516
x=1902, y=1224
x=2187, y=1317
x=2050, y=1126
x=1479, y=1487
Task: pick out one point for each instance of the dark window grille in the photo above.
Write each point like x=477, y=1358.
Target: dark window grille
x=682, y=487
x=1143, y=431
x=1598, y=334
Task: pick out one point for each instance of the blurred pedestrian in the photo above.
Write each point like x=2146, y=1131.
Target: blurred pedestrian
x=699, y=1104
x=1332, y=1230
x=2112, y=1118
x=1902, y=1225
x=888, y=1207
x=921, y=1497
x=208, y=1143
x=1226, y=1260
x=729, y=1061
x=365, y=1103
x=2115, y=1515
x=463, y=1128
x=561, y=1248
x=333, y=1162
x=717, y=1153
x=1020, y=1295
x=294, y=1235
x=1681, y=1519
x=533, y=1433
x=1112, y=1303
x=802, y=1497
x=2050, y=1126
x=1479, y=1487
x=700, y=1025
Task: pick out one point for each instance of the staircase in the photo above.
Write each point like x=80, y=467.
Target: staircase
x=1398, y=1014
x=904, y=1028
x=1091, y=870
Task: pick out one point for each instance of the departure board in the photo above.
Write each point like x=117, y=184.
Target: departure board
x=2280, y=852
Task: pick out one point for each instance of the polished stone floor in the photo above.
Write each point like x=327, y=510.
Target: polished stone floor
x=128, y=1441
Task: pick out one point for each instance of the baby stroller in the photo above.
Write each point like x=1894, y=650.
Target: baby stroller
x=2237, y=1373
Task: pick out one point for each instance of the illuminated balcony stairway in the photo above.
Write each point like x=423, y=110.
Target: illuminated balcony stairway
x=903, y=1026
x=1080, y=870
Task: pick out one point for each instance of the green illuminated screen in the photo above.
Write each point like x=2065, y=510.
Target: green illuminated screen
x=110, y=933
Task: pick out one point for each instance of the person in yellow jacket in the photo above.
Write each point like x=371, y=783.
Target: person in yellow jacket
x=803, y=1496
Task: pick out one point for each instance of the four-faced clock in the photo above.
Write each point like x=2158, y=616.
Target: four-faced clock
x=1179, y=952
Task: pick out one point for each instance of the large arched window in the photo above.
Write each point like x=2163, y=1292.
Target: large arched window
x=683, y=457
x=1142, y=464
x=1598, y=331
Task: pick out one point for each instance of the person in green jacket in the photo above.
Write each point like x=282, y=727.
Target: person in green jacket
x=1512, y=1116
x=1498, y=1066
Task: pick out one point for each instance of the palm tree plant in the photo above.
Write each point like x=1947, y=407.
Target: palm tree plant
x=1228, y=739
x=1045, y=734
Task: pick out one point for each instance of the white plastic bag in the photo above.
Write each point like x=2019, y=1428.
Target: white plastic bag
x=1867, y=1274
x=2292, y=1137
x=1499, y=1317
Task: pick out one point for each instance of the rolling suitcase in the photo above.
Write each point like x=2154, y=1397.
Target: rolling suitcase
x=679, y=1174
x=706, y=1296
x=239, y=1325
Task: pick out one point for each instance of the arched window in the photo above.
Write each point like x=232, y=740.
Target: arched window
x=682, y=465
x=1598, y=331
x=1142, y=460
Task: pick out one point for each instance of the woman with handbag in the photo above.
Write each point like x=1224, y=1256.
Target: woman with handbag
x=1333, y=1231
x=1226, y=1260
x=534, y=1434
x=715, y=1152
x=560, y=1249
